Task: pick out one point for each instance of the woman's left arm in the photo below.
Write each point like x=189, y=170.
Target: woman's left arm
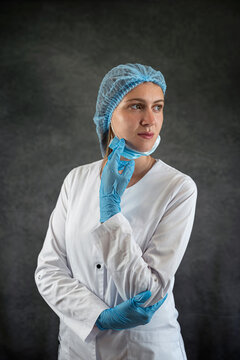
x=134, y=271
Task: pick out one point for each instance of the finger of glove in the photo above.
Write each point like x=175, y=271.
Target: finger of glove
x=128, y=170
x=142, y=297
x=128, y=307
x=114, y=142
x=110, y=155
x=116, y=319
x=105, y=318
x=129, y=314
x=133, y=316
x=125, y=318
x=121, y=163
x=115, y=159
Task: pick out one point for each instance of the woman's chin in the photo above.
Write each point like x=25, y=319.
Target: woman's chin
x=139, y=147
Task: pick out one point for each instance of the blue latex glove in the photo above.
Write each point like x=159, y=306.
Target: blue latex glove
x=114, y=184
x=129, y=313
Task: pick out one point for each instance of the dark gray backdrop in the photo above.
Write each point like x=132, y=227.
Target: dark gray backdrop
x=53, y=56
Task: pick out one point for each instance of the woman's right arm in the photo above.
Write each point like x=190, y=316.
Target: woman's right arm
x=72, y=301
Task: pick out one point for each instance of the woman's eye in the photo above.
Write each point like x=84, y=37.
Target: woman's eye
x=139, y=106
x=136, y=105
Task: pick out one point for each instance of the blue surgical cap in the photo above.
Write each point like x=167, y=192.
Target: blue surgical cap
x=114, y=86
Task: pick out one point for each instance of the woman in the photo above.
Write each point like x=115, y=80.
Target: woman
x=119, y=231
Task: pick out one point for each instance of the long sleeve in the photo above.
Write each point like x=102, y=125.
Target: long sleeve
x=134, y=271
x=72, y=301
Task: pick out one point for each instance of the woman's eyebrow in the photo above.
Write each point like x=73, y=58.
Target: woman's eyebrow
x=144, y=100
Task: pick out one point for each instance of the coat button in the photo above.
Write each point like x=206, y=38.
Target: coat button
x=99, y=266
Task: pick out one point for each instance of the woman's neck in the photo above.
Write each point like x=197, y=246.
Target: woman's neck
x=142, y=165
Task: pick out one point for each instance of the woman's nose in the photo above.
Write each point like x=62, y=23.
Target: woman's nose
x=148, y=116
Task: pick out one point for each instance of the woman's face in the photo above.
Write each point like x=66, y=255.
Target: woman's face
x=132, y=116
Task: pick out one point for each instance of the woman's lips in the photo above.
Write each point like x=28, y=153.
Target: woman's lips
x=146, y=136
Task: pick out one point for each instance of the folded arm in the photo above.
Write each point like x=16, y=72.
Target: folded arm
x=134, y=271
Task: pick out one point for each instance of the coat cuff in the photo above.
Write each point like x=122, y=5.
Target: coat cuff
x=91, y=336
x=89, y=332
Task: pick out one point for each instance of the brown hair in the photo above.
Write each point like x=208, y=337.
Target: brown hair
x=108, y=149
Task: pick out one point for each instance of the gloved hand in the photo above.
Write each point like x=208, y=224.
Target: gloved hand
x=114, y=184
x=129, y=313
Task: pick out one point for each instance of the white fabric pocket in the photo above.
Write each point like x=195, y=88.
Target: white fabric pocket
x=150, y=345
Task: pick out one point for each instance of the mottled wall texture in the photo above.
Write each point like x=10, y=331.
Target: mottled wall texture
x=53, y=56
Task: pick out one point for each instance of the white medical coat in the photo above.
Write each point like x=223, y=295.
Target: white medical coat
x=85, y=267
